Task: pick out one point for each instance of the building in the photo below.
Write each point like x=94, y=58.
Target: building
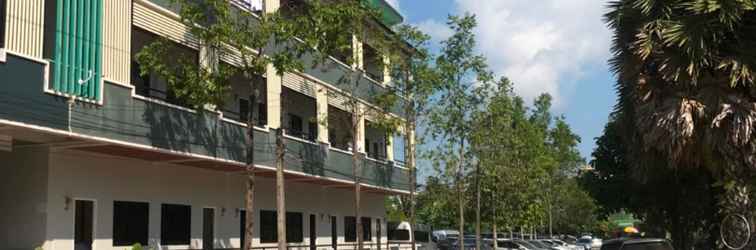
x=95, y=156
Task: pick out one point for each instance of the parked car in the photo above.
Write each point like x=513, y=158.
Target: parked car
x=584, y=242
x=637, y=244
x=596, y=243
x=542, y=245
x=470, y=244
x=566, y=245
x=444, y=239
x=528, y=245
x=510, y=245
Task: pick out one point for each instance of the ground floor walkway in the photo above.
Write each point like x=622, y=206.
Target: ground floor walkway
x=68, y=199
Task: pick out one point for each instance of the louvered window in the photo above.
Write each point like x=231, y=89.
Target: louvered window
x=75, y=47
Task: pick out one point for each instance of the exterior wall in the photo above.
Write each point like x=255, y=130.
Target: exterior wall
x=23, y=196
x=25, y=27
x=105, y=179
x=116, y=51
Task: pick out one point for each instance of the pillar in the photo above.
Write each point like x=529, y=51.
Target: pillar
x=273, y=94
x=386, y=70
x=360, y=128
x=389, y=147
x=321, y=100
x=357, y=54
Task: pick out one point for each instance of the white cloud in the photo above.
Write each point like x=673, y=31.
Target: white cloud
x=437, y=30
x=543, y=46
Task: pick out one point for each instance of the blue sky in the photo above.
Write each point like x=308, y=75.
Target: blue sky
x=555, y=46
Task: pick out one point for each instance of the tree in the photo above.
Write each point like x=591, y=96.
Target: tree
x=686, y=88
x=460, y=73
x=418, y=82
x=285, y=42
x=684, y=76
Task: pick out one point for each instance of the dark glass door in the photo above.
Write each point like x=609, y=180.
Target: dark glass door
x=208, y=228
x=313, y=233
x=83, y=225
x=334, y=233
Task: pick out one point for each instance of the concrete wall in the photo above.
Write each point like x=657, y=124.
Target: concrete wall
x=23, y=194
x=105, y=179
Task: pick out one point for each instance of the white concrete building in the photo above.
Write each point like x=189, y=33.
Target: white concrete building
x=108, y=159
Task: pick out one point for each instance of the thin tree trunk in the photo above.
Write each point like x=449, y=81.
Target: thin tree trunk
x=356, y=159
x=477, y=206
x=409, y=134
x=280, y=191
x=249, y=196
x=460, y=195
x=495, y=234
x=495, y=237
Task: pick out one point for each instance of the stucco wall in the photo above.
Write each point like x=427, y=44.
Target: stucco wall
x=105, y=179
x=23, y=192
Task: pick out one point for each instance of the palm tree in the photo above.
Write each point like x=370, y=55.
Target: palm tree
x=685, y=83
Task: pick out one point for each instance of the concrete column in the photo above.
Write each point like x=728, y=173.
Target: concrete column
x=386, y=70
x=389, y=147
x=209, y=61
x=274, y=97
x=321, y=100
x=361, y=128
x=272, y=5
x=357, y=54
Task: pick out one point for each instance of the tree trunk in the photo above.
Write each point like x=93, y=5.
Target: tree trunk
x=410, y=157
x=356, y=159
x=250, y=171
x=460, y=195
x=477, y=206
x=280, y=195
x=495, y=237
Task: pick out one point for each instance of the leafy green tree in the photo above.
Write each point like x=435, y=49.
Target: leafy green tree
x=461, y=72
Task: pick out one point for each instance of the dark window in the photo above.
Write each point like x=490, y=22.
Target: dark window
x=244, y=110
x=262, y=110
x=3, y=5
x=334, y=233
x=295, y=125
x=350, y=229
x=268, y=233
x=175, y=224
x=268, y=227
x=294, y=229
x=312, y=128
x=367, y=228
x=130, y=223
x=242, y=226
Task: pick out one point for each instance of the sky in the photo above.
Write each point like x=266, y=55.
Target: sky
x=555, y=46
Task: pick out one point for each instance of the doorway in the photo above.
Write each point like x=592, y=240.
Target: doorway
x=313, y=233
x=334, y=233
x=208, y=228
x=83, y=224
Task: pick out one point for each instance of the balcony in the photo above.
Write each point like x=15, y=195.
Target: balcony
x=157, y=132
